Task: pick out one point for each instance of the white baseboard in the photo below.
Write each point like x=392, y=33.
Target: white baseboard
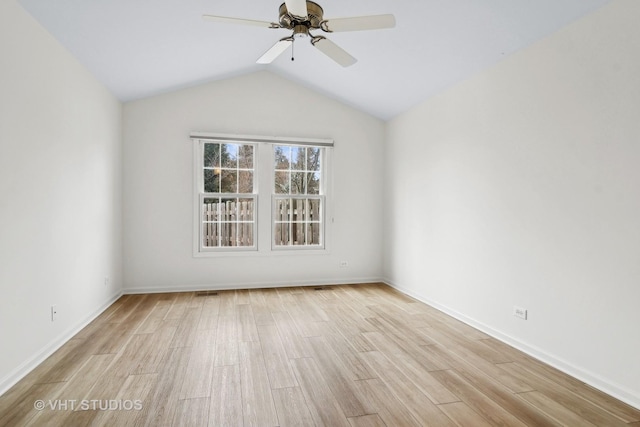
x=250, y=285
x=619, y=392
x=21, y=371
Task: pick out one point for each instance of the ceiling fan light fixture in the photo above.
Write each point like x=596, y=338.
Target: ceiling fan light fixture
x=300, y=31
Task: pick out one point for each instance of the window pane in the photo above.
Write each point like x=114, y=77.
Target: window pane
x=245, y=182
x=313, y=183
x=313, y=158
x=298, y=158
x=313, y=210
x=228, y=218
x=297, y=183
x=211, y=155
x=228, y=222
x=313, y=234
x=297, y=210
x=210, y=234
x=283, y=210
x=281, y=234
x=246, y=210
x=282, y=156
x=298, y=221
x=282, y=182
x=211, y=180
x=298, y=233
x=210, y=228
x=245, y=157
x=229, y=156
x=229, y=181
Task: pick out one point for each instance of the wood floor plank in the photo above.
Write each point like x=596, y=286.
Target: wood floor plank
x=247, y=330
x=390, y=409
x=124, y=406
x=291, y=407
x=464, y=359
x=566, y=398
x=63, y=364
x=554, y=410
x=463, y=415
x=22, y=411
x=393, y=343
x=243, y=297
x=275, y=357
x=124, y=363
x=406, y=391
x=191, y=413
x=76, y=389
x=225, y=407
x=477, y=400
x=185, y=335
x=228, y=303
x=110, y=339
x=151, y=355
x=226, y=345
x=339, y=379
x=415, y=370
x=155, y=318
x=164, y=397
x=323, y=405
x=395, y=327
x=179, y=305
x=613, y=406
x=210, y=313
x=502, y=396
x=346, y=352
x=295, y=346
x=373, y=420
x=199, y=373
x=257, y=401
x=261, y=310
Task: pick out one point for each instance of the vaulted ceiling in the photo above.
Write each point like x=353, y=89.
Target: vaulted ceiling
x=139, y=48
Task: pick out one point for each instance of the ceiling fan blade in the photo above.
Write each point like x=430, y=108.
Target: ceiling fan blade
x=297, y=8
x=333, y=51
x=359, y=23
x=229, y=20
x=275, y=51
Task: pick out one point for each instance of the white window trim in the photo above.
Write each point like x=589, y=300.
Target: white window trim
x=263, y=232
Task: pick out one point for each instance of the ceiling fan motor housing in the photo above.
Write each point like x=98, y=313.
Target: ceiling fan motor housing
x=312, y=20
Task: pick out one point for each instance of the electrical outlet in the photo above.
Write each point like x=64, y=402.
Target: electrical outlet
x=54, y=313
x=520, y=312
x=344, y=264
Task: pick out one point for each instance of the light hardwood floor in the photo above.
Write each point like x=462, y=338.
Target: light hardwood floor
x=360, y=355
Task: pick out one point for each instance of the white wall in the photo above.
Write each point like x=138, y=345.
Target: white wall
x=158, y=184
x=520, y=187
x=60, y=194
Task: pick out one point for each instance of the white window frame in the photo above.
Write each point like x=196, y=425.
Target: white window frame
x=321, y=196
x=264, y=169
x=200, y=248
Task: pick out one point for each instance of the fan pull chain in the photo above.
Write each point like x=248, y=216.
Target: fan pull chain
x=292, y=45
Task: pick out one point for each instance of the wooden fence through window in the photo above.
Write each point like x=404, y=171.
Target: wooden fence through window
x=231, y=223
x=228, y=223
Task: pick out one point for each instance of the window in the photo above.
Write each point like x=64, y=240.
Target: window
x=227, y=199
x=259, y=194
x=298, y=196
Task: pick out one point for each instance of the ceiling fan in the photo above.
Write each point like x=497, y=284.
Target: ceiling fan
x=303, y=16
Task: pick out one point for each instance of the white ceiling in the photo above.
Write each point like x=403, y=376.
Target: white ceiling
x=139, y=48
